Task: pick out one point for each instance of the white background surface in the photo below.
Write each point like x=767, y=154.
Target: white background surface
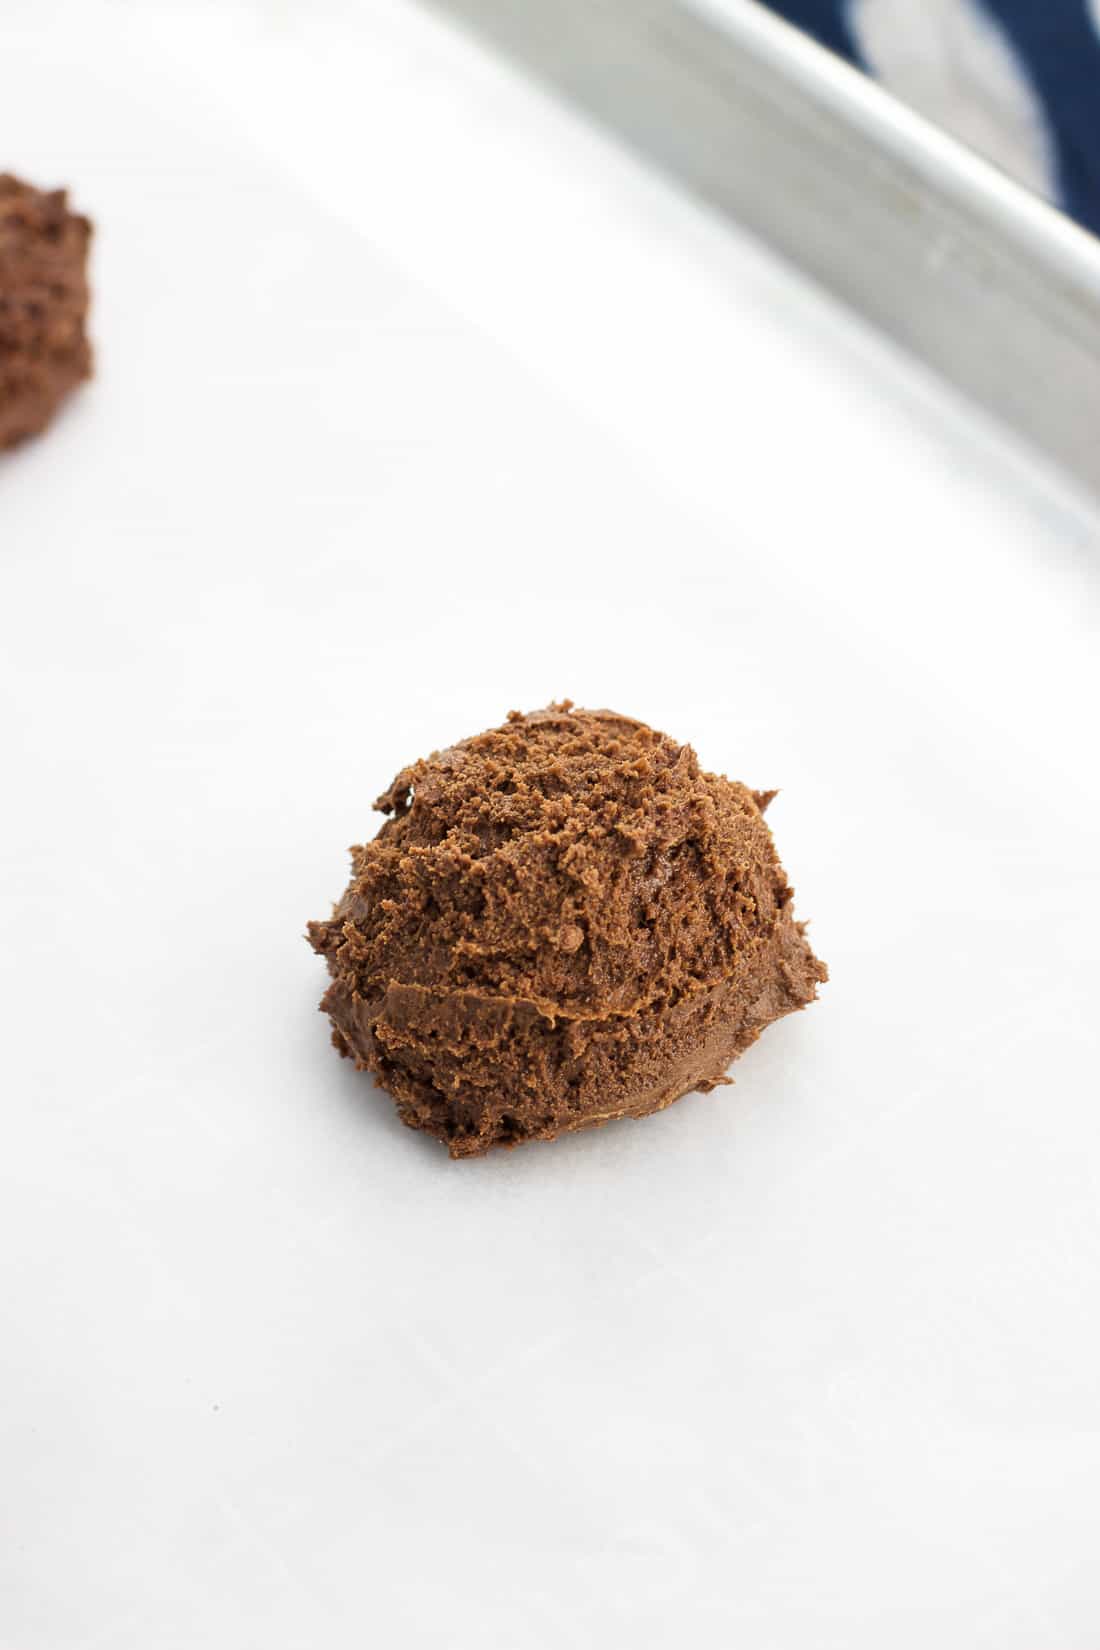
x=809, y=1364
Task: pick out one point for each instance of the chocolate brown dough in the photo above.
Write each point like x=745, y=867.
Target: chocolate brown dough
x=43, y=306
x=563, y=921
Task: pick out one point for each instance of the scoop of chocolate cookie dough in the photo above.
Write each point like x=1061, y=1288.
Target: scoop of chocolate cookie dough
x=44, y=352
x=564, y=920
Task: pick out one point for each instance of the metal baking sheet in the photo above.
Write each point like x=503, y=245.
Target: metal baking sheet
x=986, y=283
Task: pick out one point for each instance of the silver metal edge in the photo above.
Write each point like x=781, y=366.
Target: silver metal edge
x=993, y=288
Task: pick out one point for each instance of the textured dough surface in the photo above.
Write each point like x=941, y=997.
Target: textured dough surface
x=563, y=920
x=44, y=352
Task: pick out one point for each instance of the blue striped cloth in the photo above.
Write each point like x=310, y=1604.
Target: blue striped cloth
x=1019, y=80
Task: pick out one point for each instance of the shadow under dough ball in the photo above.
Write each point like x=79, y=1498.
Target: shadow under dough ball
x=44, y=351
x=563, y=921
